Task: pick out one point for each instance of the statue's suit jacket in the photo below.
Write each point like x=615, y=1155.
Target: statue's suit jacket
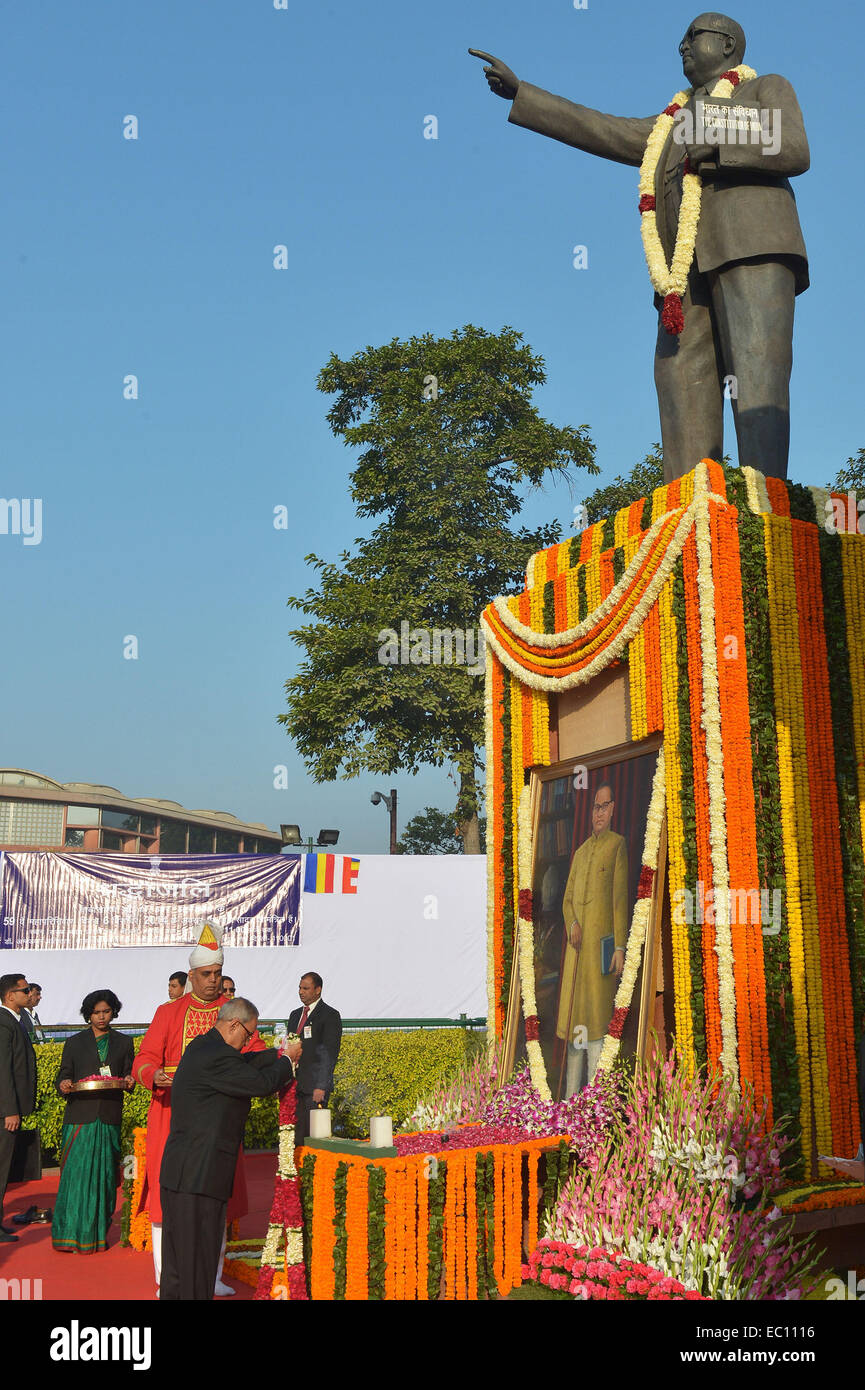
x=748, y=208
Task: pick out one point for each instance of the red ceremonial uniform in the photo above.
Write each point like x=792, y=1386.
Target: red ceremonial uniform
x=174, y=1025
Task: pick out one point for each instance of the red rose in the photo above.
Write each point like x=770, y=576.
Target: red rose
x=647, y=879
x=671, y=315
x=647, y=202
x=532, y=1028
x=617, y=1023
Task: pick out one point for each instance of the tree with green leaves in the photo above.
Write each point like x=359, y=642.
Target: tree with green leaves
x=449, y=439
x=434, y=832
x=851, y=478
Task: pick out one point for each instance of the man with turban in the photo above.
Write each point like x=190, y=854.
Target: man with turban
x=174, y=1026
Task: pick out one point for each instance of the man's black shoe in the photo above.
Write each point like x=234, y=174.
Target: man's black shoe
x=6, y=1237
x=23, y=1218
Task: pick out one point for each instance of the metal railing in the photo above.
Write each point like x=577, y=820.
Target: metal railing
x=59, y=1032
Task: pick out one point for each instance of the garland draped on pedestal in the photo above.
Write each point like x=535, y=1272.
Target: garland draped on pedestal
x=284, y=1277
x=740, y=612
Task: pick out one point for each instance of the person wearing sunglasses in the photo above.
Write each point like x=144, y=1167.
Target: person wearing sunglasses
x=17, y=1078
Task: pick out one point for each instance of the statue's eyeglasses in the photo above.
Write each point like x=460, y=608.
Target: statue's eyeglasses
x=692, y=34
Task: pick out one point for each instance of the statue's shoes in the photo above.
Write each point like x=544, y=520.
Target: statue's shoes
x=222, y=1290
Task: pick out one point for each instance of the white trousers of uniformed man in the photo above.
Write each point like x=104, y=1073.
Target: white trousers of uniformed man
x=220, y=1289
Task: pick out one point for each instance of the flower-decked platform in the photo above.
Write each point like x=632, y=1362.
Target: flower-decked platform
x=728, y=611
x=447, y=1217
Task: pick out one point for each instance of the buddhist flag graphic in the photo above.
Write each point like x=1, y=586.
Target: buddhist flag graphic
x=324, y=873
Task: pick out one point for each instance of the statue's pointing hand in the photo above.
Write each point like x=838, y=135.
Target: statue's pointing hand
x=499, y=76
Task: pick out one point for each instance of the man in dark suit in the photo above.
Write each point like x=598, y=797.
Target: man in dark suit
x=210, y=1097
x=29, y=1018
x=319, y=1028
x=750, y=260
x=17, y=1078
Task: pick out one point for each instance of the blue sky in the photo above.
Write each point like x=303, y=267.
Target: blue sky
x=155, y=257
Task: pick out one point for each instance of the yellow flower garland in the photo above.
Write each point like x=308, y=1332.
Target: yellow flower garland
x=711, y=723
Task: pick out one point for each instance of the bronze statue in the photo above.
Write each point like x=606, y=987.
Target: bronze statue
x=730, y=330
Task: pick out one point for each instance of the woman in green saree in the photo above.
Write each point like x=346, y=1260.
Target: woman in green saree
x=90, y=1139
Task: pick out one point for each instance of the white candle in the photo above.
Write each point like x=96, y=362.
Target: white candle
x=319, y=1124
x=381, y=1132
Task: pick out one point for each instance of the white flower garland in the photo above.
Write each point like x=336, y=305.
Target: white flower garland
x=711, y=722
x=628, y=628
x=758, y=493
x=491, y=853
x=285, y=1168
x=673, y=279
x=537, y=1067
x=642, y=909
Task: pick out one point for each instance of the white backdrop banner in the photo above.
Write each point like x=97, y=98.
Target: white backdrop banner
x=408, y=942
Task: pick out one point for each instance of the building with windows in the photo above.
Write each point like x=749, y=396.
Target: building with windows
x=39, y=813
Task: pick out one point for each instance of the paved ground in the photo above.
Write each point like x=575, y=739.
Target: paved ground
x=114, y=1274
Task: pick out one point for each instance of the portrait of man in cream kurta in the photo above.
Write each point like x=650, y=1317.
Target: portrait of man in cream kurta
x=595, y=913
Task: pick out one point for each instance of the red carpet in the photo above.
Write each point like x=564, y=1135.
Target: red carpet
x=116, y=1273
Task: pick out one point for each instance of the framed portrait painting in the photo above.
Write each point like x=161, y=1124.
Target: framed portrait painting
x=589, y=825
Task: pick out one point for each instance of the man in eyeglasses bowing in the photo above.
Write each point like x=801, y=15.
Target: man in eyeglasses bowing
x=210, y=1096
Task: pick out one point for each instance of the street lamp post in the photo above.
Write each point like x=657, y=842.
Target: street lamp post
x=389, y=802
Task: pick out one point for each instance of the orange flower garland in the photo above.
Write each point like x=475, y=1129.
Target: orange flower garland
x=471, y=1225
x=356, y=1228
x=739, y=791
x=139, y=1221
x=321, y=1274
x=853, y=1195
x=406, y=1224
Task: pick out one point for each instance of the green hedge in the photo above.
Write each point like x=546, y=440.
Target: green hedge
x=384, y=1072
x=380, y=1072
